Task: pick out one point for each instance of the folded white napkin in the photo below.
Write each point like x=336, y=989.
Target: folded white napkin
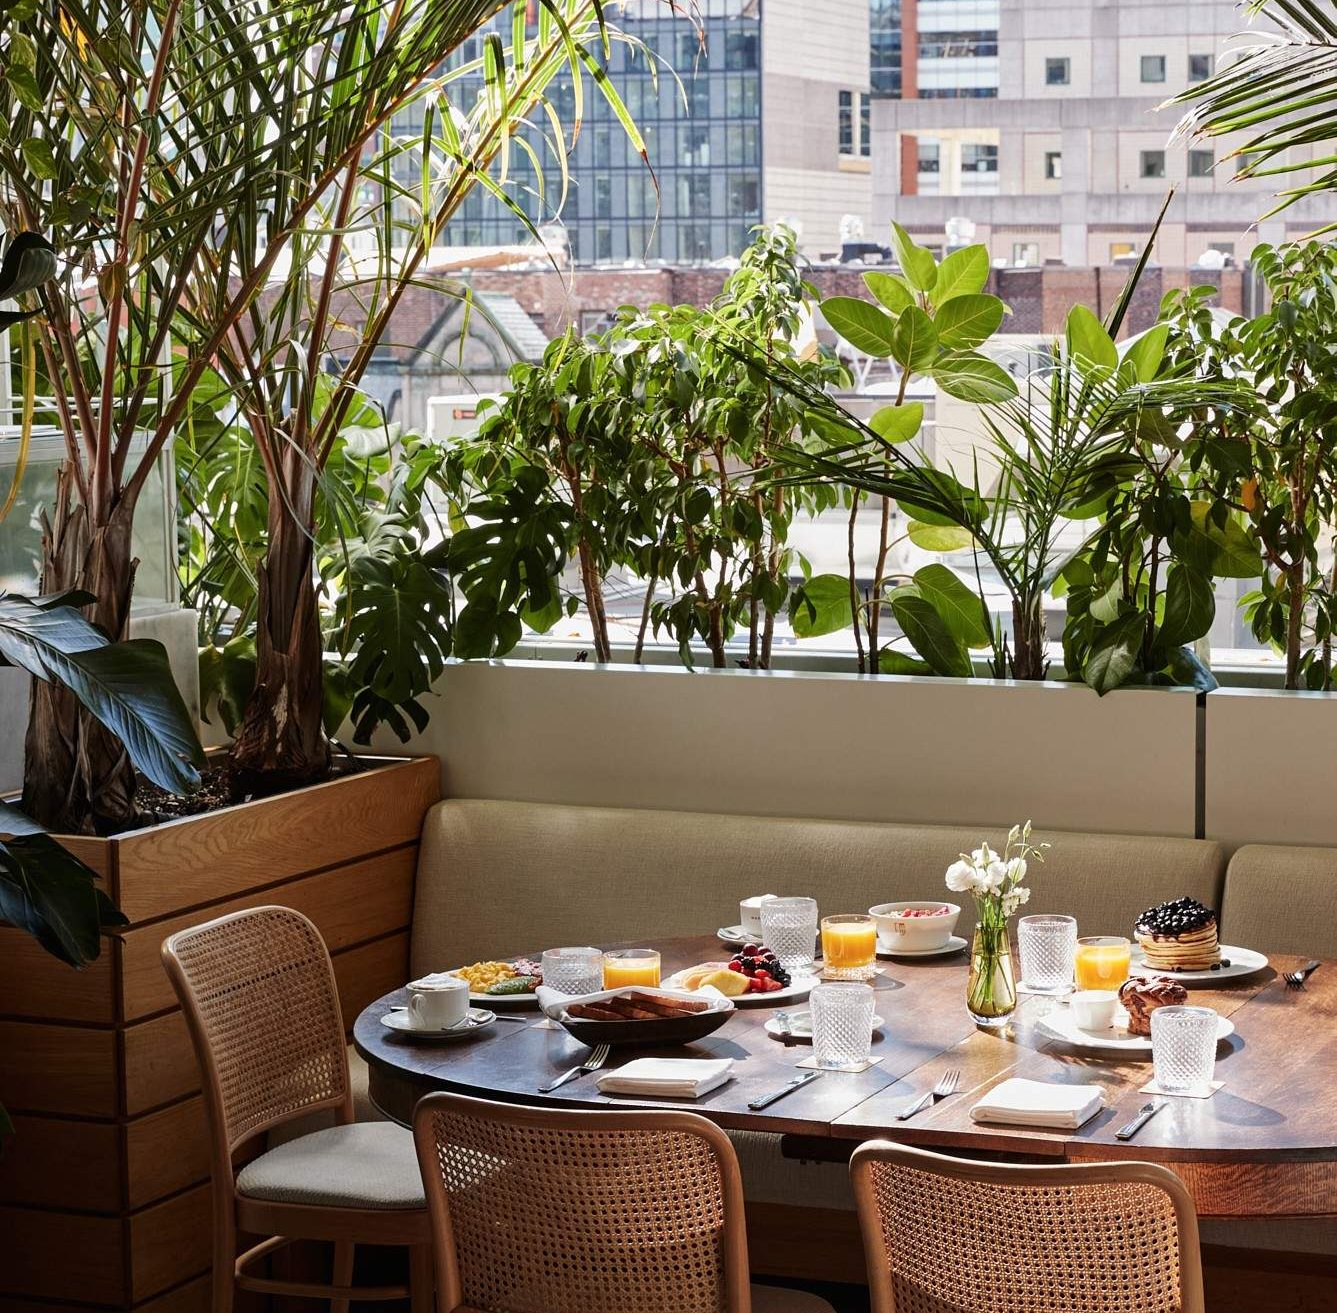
x=1018, y=1102
x=677, y=1078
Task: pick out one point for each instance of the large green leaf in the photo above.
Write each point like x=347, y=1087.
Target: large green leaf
x=914, y=340
x=898, y=423
x=966, y=321
x=1190, y=606
x=893, y=291
x=1237, y=554
x=917, y=263
x=30, y=261
x=958, y=605
x=938, y=537
x=963, y=273
x=47, y=891
x=821, y=605
x=1087, y=340
x=929, y=635
x=974, y=378
x=1113, y=655
x=1143, y=358
x=863, y=325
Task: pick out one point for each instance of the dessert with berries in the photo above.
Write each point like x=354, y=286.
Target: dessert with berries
x=1179, y=936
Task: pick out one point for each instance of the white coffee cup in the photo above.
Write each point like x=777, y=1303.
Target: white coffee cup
x=438, y=1003
x=1093, y=1009
x=749, y=914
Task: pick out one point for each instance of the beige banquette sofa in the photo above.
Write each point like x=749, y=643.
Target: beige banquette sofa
x=499, y=877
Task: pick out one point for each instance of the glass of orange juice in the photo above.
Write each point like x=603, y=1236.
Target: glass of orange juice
x=849, y=947
x=631, y=966
x=1102, y=961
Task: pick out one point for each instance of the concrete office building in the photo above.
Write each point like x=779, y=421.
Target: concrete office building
x=1038, y=120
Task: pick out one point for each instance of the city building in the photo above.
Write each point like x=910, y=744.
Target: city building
x=768, y=118
x=1038, y=120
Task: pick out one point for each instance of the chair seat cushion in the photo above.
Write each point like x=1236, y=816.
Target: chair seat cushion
x=780, y=1299
x=362, y=1165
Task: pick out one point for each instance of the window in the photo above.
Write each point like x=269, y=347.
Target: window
x=1200, y=163
x=928, y=157
x=1058, y=72
x=1026, y=255
x=1153, y=68
x=1053, y=165
x=1152, y=164
x=1200, y=67
x=1226, y=248
x=977, y=158
x=1122, y=251
x=958, y=45
x=853, y=131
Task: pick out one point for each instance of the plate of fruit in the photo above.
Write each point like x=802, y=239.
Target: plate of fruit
x=752, y=975
x=503, y=984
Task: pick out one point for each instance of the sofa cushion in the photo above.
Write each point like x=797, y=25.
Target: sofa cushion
x=1281, y=900
x=507, y=877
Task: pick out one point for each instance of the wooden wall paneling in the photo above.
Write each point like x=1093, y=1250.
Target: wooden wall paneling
x=159, y=1063
x=349, y=904
x=58, y=1069
x=202, y=860
x=36, y=985
x=53, y=1162
x=62, y=1256
x=169, y=1242
x=166, y=1151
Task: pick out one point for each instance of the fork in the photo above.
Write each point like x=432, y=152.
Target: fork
x=594, y=1062
x=1296, y=979
x=946, y=1085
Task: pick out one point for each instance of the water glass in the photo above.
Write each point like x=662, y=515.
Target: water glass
x=842, y=1024
x=1048, y=945
x=1183, y=1048
x=789, y=930
x=573, y=970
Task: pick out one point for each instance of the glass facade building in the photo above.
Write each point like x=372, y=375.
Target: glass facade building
x=703, y=137
x=884, y=32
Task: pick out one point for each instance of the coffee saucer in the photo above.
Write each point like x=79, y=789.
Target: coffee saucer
x=475, y=1019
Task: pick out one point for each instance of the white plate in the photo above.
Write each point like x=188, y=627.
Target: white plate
x=502, y=1001
x=1243, y=962
x=954, y=944
x=800, y=986
x=1062, y=1025
x=474, y=1019
x=801, y=1026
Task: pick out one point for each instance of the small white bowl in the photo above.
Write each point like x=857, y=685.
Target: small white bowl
x=913, y=934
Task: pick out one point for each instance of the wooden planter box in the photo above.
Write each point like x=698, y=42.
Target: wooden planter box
x=104, y=1193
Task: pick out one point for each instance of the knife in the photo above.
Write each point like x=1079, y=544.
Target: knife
x=1149, y=1110
x=767, y=1099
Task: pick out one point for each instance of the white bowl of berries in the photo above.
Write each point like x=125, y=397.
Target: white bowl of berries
x=914, y=927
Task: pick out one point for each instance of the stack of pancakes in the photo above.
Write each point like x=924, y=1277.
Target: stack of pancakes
x=1179, y=936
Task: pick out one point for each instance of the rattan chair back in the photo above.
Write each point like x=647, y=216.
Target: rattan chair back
x=259, y=996
x=943, y=1235
x=538, y=1211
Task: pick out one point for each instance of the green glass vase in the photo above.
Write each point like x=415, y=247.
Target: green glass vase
x=991, y=995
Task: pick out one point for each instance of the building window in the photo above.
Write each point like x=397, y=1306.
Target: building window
x=1058, y=72
x=1200, y=163
x=1053, y=165
x=1152, y=164
x=1026, y=255
x=929, y=161
x=1122, y=251
x=854, y=127
x=1153, y=68
x=1226, y=248
x=978, y=158
x=1199, y=67
x=958, y=45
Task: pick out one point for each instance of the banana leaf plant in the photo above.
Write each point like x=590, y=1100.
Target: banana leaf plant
x=1275, y=98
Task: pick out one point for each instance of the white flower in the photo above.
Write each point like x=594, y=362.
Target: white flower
x=994, y=877
x=1016, y=870
x=962, y=877
x=982, y=855
x=1022, y=896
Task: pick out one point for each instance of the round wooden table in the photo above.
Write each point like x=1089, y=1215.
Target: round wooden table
x=1265, y=1145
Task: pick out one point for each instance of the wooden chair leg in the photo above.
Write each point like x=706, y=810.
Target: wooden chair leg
x=422, y=1280
x=343, y=1272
